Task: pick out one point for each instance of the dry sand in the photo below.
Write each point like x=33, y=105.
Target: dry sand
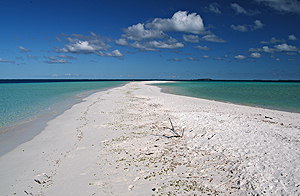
x=118, y=142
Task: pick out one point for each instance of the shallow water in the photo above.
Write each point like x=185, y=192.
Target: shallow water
x=25, y=108
x=24, y=101
x=282, y=96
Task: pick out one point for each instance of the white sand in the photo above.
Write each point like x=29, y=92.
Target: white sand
x=117, y=142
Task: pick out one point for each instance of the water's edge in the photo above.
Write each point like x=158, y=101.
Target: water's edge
x=166, y=90
x=21, y=132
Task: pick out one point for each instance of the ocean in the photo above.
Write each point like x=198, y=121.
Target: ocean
x=282, y=96
x=21, y=102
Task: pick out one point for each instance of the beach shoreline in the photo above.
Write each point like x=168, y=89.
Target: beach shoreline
x=26, y=129
x=118, y=142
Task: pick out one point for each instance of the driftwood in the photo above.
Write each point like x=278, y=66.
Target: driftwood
x=173, y=130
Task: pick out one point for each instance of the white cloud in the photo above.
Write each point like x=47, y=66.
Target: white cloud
x=81, y=47
x=244, y=28
x=263, y=49
x=153, y=45
x=81, y=44
x=140, y=46
x=138, y=32
x=241, y=57
x=214, y=7
x=291, y=6
x=167, y=44
x=114, y=53
x=181, y=21
x=55, y=60
x=213, y=38
x=267, y=49
x=255, y=55
x=205, y=56
x=23, y=49
x=273, y=40
x=241, y=28
x=238, y=9
x=202, y=47
x=286, y=47
x=6, y=61
x=277, y=48
x=191, y=38
x=66, y=57
x=292, y=37
x=257, y=25
x=65, y=75
x=122, y=42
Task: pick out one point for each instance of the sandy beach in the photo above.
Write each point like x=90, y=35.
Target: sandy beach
x=120, y=142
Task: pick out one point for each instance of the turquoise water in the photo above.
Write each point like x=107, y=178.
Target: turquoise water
x=272, y=95
x=24, y=101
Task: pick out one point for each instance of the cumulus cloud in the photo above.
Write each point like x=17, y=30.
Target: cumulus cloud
x=241, y=28
x=23, y=49
x=291, y=6
x=80, y=44
x=292, y=37
x=286, y=47
x=202, y=47
x=240, y=57
x=6, y=61
x=154, y=45
x=255, y=55
x=277, y=48
x=181, y=21
x=138, y=32
x=263, y=49
x=244, y=28
x=267, y=49
x=122, y=42
x=167, y=44
x=257, y=25
x=214, y=7
x=143, y=46
x=213, y=38
x=191, y=38
x=91, y=44
x=81, y=47
x=114, y=53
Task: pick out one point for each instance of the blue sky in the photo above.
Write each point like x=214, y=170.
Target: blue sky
x=253, y=39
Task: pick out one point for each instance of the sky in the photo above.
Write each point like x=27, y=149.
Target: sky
x=119, y=39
